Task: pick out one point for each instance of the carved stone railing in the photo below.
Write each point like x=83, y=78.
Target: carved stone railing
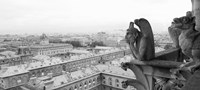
x=148, y=72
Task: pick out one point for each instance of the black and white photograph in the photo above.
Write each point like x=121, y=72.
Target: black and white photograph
x=99, y=44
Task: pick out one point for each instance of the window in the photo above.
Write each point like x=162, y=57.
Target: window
x=42, y=73
x=33, y=74
x=104, y=82
x=76, y=87
x=117, y=85
x=110, y=88
x=19, y=81
x=110, y=83
x=104, y=87
x=103, y=77
x=90, y=83
x=81, y=85
x=85, y=85
x=117, y=81
x=71, y=88
x=110, y=79
x=94, y=81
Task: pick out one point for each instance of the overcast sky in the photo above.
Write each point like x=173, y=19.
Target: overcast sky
x=65, y=16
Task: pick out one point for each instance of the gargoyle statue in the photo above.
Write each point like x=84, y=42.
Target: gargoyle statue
x=175, y=32
x=140, y=83
x=133, y=82
x=189, y=39
x=141, y=42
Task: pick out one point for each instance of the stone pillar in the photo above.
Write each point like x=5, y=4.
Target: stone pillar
x=196, y=10
x=192, y=6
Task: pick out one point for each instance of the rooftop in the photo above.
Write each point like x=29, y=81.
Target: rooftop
x=12, y=70
x=44, y=61
x=79, y=51
x=101, y=47
x=8, y=54
x=49, y=45
x=68, y=78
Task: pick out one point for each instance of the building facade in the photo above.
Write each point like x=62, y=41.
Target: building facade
x=50, y=49
x=57, y=69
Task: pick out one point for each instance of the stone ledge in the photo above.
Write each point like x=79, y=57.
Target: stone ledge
x=158, y=63
x=165, y=59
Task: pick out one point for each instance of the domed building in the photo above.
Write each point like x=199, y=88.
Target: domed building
x=44, y=39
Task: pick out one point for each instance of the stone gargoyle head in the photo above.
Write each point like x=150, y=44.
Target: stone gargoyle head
x=132, y=33
x=185, y=22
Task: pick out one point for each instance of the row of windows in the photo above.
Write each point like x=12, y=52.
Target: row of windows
x=42, y=72
x=108, y=57
x=15, y=81
x=110, y=81
x=81, y=62
x=52, y=48
x=46, y=49
x=89, y=83
x=113, y=55
x=60, y=68
x=48, y=52
x=87, y=61
x=73, y=65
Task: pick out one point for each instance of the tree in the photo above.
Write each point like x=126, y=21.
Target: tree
x=96, y=43
x=55, y=40
x=74, y=43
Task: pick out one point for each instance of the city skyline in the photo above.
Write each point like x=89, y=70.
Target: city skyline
x=88, y=16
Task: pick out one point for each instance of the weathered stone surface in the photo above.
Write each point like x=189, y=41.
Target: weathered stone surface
x=174, y=34
x=193, y=82
x=141, y=42
x=189, y=42
x=189, y=37
x=196, y=9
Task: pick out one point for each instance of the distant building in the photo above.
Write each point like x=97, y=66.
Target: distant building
x=50, y=49
x=123, y=43
x=99, y=77
x=100, y=36
x=17, y=43
x=84, y=41
x=44, y=40
x=54, y=74
x=10, y=58
x=97, y=49
x=107, y=39
x=43, y=47
x=12, y=77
